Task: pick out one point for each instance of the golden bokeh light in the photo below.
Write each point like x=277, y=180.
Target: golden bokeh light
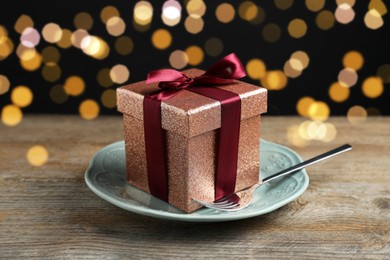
x=104, y=78
x=356, y=115
x=11, y=115
x=325, y=20
x=89, y=109
x=213, y=47
x=353, y=60
x=108, y=98
x=24, y=21
x=31, y=60
x=338, y=93
x=331, y=132
x=30, y=37
x=248, y=10
x=58, y=94
x=66, y=39
x=195, y=55
x=295, y=138
x=348, y=77
x=378, y=5
x=225, y=13
x=271, y=32
x=95, y=46
x=256, y=69
x=297, y=28
x=51, y=72
x=292, y=68
x=4, y=84
x=178, y=59
x=283, y=4
x=74, y=86
x=196, y=8
x=50, y=55
x=274, y=80
x=83, y=20
x=107, y=12
x=319, y=110
x=37, y=155
x=52, y=32
x=124, y=45
x=6, y=47
x=384, y=73
x=161, y=39
x=171, y=12
x=25, y=53
x=344, y=14
x=303, y=105
x=373, y=19
x=300, y=57
x=77, y=37
x=143, y=13
x=372, y=87
x=119, y=74
x=21, y=96
x=349, y=2
x=193, y=25
x=115, y=26
x=315, y=5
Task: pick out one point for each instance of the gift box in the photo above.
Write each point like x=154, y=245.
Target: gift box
x=191, y=136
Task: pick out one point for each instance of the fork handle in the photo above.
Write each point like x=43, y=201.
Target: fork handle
x=318, y=158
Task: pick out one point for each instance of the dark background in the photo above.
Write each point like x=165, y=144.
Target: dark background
x=325, y=49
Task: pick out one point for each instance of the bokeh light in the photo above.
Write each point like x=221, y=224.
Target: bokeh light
x=21, y=96
x=378, y=5
x=297, y=28
x=283, y=4
x=325, y=20
x=353, y=60
x=271, y=32
x=256, y=69
x=319, y=111
x=372, y=87
x=108, y=98
x=248, y=11
x=74, y=86
x=52, y=32
x=315, y=5
x=274, y=80
x=349, y=2
x=107, y=12
x=24, y=21
x=30, y=37
x=347, y=77
x=119, y=74
x=356, y=115
x=171, y=12
x=83, y=20
x=31, y=60
x=124, y=45
x=373, y=19
x=51, y=72
x=384, y=73
x=104, y=78
x=58, y=95
x=89, y=109
x=213, y=47
x=196, y=8
x=338, y=92
x=4, y=84
x=50, y=55
x=161, y=39
x=225, y=13
x=66, y=39
x=95, y=46
x=195, y=55
x=37, y=155
x=303, y=105
x=344, y=13
x=115, y=26
x=143, y=13
x=194, y=25
x=77, y=37
x=178, y=59
x=11, y=115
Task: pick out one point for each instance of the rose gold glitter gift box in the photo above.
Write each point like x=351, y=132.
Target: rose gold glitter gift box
x=190, y=122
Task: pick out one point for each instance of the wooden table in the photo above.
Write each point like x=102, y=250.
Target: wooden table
x=49, y=212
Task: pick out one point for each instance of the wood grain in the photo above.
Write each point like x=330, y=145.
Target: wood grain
x=49, y=212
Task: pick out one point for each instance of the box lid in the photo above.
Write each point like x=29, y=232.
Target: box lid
x=190, y=114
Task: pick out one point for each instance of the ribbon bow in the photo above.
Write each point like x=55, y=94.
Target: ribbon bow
x=172, y=82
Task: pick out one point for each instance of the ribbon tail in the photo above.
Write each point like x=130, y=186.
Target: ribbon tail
x=229, y=67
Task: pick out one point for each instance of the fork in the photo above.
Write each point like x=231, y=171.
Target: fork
x=244, y=197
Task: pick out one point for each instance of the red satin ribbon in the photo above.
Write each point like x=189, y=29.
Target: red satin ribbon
x=171, y=83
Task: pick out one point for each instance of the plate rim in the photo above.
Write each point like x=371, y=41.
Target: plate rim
x=189, y=217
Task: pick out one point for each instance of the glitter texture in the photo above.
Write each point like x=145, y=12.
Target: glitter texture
x=191, y=122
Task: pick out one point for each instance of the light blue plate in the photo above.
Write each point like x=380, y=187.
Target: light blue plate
x=106, y=174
